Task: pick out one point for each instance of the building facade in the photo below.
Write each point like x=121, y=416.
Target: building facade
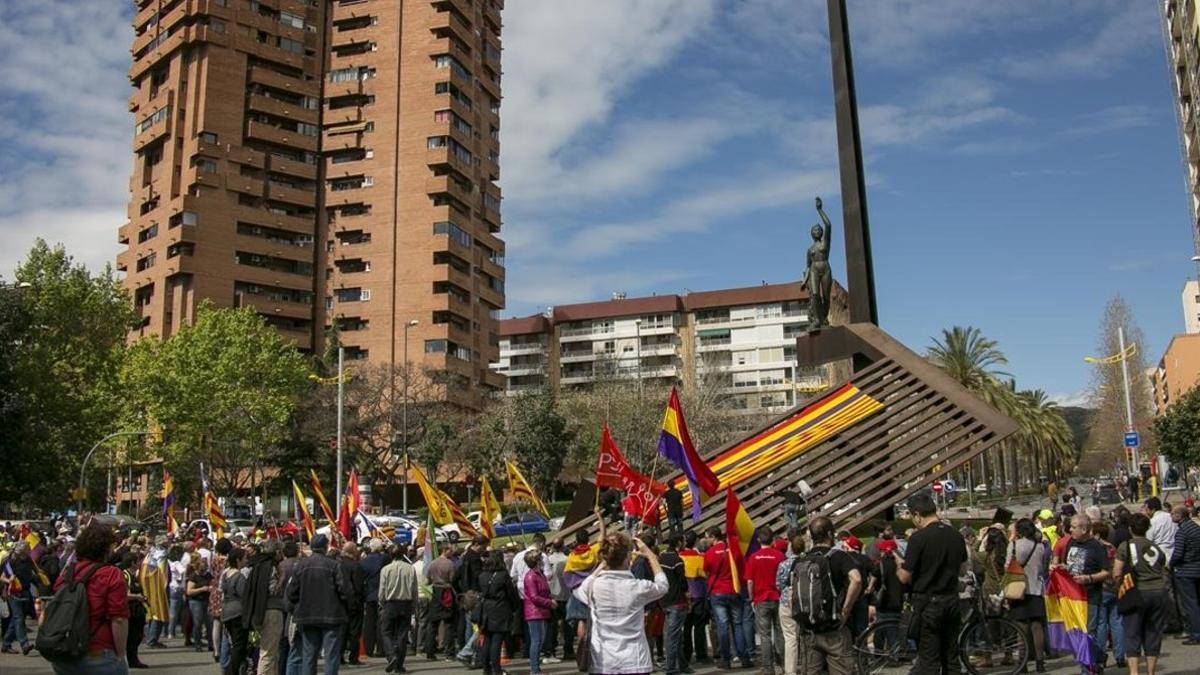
x=1182, y=35
x=330, y=163
x=1190, y=299
x=740, y=340
x=1177, y=372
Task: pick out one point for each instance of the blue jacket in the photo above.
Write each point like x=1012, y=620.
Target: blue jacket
x=371, y=565
x=1185, y=559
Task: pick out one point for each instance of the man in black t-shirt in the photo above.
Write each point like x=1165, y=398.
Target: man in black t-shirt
x=832, y=651
x=931, y=567
x=1085, y=560
x=792, y=503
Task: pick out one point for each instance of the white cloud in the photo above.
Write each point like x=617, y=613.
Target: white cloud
x=543, y=286
x=1114, y=118
x=1124, y=27
x=1076, y=399
x=566, y=64
x=64, y=126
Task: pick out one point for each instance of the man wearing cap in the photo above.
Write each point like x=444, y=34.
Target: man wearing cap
x=1047, y=523
x=318, y=596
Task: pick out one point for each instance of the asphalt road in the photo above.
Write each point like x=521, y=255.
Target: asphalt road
x=1176, y=659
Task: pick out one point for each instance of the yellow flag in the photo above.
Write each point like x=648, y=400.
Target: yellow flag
x=437, y=506
x=520, y=488
x=490, y=509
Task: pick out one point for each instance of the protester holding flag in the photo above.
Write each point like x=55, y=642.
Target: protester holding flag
x=1085, y=560
x=1143, y=565
x=155, y=574
x=617, y=602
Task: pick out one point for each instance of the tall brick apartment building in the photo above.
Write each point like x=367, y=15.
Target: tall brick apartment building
x=326, y=162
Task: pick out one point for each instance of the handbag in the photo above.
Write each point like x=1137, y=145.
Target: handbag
x=1129, y=596
x=1014, y=582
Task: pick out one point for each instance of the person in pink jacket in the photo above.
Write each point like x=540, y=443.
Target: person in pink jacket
x=539, y=607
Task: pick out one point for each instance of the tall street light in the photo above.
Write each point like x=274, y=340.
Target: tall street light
x=341, y=379
x=404, y=418
x=637, y=324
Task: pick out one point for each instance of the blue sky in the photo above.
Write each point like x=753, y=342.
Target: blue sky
x=1023, y=159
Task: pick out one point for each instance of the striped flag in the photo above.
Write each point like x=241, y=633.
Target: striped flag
x=1067, y=617
x=438, y=511
x=320, y=497
x=675, y=446
x=520, y=488
x=465, y=528
x=168, y=500
x=739, y=531
x=310, y=528
x=490, y=509
x=216, y=518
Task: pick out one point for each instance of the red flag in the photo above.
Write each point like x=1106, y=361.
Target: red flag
x=613, y=471
x=350, y=505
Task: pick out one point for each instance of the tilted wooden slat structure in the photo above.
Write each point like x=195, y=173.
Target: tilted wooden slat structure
x=928, y=425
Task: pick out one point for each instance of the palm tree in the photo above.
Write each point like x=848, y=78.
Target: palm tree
x=972, y=360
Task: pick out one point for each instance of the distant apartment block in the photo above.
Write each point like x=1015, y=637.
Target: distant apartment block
x=328, y=163
x=741, y=340
x=1182, y=35
x=1177, y=372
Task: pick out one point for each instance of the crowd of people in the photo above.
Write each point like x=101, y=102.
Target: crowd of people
x=623, y=603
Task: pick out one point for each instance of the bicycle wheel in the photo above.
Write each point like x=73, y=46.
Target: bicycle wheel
x=994, y=646
x=880, y=650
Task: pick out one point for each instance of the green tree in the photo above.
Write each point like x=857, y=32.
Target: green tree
x=1104, y=447
x=63, y=367
x=225, y=388
x=1177, y=432
x=540, y=438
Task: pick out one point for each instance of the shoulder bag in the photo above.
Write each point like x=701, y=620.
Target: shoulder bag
x=1129, y=596
x=1014, y=582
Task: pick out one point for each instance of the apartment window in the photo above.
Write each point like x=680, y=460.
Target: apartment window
x=357, y=266
x=768, y=311
x=352, y=237
x=143, y=295
x=208, y=137
x=277, y=293
x=217, y=25
x=289, y=45
x=182, y=248
x=454, y=92
x=351, y=101
x=154, y=118
x=351, y=183
x=449, y=348
x=351, y=155
x=447, y=288
x=204, y=164
x=273, y=263
x=350, y=74
x=148, y=234
x=447, y=61
x=491, y=201
x=308, y=129
x=352, y=294
x=455, y=232
x=146, y=262
x=435, y=142
x=182, y=218
x=289, y=19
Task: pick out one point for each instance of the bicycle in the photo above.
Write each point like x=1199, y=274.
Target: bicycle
x=986, y=645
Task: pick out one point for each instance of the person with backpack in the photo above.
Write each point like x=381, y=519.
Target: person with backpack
x=787, y=621
x=1144, y=618
x=761, y=568
x=931, y=567
x=826, y=583
x=86, y=624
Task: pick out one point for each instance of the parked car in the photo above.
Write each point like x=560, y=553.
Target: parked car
x=519, y=524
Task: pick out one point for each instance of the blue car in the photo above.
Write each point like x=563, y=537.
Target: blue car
x=518, y=524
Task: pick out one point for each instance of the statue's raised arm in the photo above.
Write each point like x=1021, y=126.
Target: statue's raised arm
x=827, y=239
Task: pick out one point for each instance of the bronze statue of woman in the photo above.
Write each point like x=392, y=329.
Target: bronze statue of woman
x=818, y=278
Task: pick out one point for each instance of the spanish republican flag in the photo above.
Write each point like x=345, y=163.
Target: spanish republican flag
x=520, y=488
x=739, y=530
x=168, y=500
x=490, y=509
x=1067, y=617
x=675, y=445
x=310, y=528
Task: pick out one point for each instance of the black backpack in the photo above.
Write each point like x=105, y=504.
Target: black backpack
x=64, y=634
x=815, y=603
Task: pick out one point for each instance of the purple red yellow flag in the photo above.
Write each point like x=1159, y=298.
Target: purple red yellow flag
x=675, y=445
x=168, y=500
x=739, y=532
x=1067, y=617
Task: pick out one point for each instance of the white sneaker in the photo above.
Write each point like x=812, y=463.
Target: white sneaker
x=551, y=659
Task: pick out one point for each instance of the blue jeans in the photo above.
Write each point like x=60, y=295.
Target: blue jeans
x=223, y=650
x=1109, y=623
x=176, y=605
x=327, y=640
x=727, y=614
x=673, y=639
x=104, y=663
x=154, y=632
x=200, y=624
x=1093, y=630
x=1187, y=589
x=468, y=650
x=17, y=608
x=295, y=654
x=537, y=635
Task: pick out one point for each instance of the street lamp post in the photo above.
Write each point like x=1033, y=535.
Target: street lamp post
x=1128, y=402
x=340, y=397
x=83, y=467
x=637, y=325
x=404, y=418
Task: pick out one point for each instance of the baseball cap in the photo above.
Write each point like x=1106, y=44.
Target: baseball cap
x=1045, y=514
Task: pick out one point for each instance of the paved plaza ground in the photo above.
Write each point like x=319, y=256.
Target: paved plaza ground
x=1176, y=659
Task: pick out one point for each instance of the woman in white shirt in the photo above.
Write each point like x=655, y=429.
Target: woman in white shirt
x=617, y=603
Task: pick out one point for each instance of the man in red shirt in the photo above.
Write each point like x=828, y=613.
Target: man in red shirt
x=726, y=604
x=108, y=605
x=761, y=568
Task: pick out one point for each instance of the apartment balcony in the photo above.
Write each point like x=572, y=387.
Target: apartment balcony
x=181, y=233
x=244, y=184
x=492, y=218
x=291, y=167
x=454, y=276
x=449, y=21
x=180, y=264
x=267, y=305
x=658, y=371
x=446, y=156
x=519, y=389
x=523, y=348
x=123, y=233
x=665, y=349
x=250, y=214
x=714, y=345
x=345, y=115
x=446, y=185
x=579, y=356
x=491, y=13
x=279, y=81
x=348, y=196
x=585, y=333
x=290, y=195
x=576, y=378
x=524, y=369
x=342, y=141
x=272, y=134
x=273, y=106
x=125, y=260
